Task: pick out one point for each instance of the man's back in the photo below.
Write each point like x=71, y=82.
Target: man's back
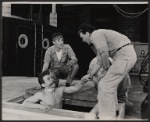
x=114, y=39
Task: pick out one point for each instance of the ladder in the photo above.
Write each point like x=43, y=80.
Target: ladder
x=38, y=51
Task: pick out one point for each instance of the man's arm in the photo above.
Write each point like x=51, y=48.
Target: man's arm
x=99, y=41
x=72, y=56
x=45, y=66
x=31, y=102
x=94, y=70
x=47, y=60
x=105, y=60
x=72, y=89
x=73, y=60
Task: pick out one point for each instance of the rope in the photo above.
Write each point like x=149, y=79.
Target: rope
x=127, y=14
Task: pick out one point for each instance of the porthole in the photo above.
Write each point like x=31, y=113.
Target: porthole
x=45, y=43
x=23, y=41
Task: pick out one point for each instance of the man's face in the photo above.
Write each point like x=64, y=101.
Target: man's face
x=49, y=81
x=85, y=37
x=58, y=41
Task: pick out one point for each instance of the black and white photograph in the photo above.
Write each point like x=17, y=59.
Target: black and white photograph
x=74, y=60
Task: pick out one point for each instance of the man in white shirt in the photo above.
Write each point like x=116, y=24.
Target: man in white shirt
x=109, y=43
x=62, y=57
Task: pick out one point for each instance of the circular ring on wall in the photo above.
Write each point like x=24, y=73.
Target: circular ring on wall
x=45, y=43
x=23, y=41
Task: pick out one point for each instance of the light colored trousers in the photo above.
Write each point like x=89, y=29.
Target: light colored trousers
x=123, y=61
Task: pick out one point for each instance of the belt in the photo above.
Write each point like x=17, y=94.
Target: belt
x=123, y=46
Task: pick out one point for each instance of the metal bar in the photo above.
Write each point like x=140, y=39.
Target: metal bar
x=34, y=48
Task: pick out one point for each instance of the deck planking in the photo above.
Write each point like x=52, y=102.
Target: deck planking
x=85, y=97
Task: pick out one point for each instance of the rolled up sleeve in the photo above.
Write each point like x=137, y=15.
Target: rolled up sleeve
x=102, y=48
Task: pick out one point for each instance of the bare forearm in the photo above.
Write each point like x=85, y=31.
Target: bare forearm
x=45, y=67
x=76, y=87
x=79, y=85
x=105, y=60
x=72, y=89
x=94, y=70
x=73, y=60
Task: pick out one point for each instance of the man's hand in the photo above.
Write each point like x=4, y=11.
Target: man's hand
x=46, y=108
x=85, y=78
x=71, y=62
x=69, y=67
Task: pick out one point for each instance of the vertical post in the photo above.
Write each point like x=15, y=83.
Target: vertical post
x=40, y=14
x=0, y=45
x=6, y=9
x=42, y=50
x=53, y=16
x=35, y=49
x=31, y=7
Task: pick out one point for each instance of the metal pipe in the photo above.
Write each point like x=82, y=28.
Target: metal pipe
x=53, y=8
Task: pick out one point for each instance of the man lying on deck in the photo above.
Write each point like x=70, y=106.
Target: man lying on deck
x=51, y=96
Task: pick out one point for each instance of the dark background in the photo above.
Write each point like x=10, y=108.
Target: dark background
x=21, y=62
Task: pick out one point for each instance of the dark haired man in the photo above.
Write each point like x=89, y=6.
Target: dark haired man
x=123, y=87
x=109, y=43
x=51, y=96
x=62, y=57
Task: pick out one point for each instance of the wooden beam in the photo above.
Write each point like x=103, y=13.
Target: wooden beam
x=56, y=112
x=13, y=114
x=0, y=44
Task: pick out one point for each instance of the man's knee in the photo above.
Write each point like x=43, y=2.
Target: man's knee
x=106, y=89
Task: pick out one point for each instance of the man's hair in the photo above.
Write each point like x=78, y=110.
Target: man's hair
x=86, y=28
x=55, y=35
x=55, y=75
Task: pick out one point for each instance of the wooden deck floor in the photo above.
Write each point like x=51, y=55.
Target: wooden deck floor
x=13, y=87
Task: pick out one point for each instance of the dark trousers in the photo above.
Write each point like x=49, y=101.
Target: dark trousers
x=67, y=72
